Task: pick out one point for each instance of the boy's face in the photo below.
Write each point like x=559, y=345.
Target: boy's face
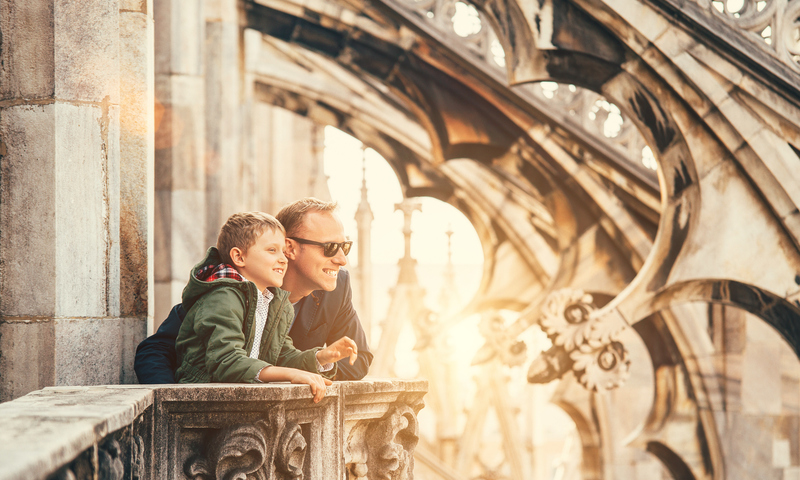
x=310, y=267
x=263, y=263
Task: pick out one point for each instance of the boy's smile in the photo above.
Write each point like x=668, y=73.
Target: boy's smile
x=264, y=262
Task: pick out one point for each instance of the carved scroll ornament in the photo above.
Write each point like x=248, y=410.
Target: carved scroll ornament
x=582, y=341
x=271, y=449
x=383, y=449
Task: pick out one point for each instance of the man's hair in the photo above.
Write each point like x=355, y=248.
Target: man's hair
x=293, y=214
x=242, y=229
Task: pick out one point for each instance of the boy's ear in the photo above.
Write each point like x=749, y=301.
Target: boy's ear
x=290, y=252
x=237, y=257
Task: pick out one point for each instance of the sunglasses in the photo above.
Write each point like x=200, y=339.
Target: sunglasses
x=329, y=249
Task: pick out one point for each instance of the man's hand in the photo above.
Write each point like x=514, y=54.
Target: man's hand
x=342, y=348
x=283, y=374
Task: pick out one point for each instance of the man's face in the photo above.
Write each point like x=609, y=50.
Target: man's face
x=309, y=264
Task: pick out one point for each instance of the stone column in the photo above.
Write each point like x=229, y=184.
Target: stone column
x=229, y=182
x=180, y=182
x=60, y=203
x=137, y=157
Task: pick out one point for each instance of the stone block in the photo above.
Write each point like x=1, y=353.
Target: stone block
x=137, y=171
x=136, y=6
x=96, y=351
x=768, y=185
x=744, y=120
x=780, y=159
x=188, y=240
x=27, y=219
x=723, y=130
x=26, y=49
x=162, y=241
x=718, y=241
x=86, y=50
x=713, y=86
x=164, y=300
x=761, y=381
x=180, y=36
x=717, y=63
x=27, y=362
x=134, y=330
x=84, y=239
x=180, y=134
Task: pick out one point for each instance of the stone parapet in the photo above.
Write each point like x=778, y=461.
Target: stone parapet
x=360, y=430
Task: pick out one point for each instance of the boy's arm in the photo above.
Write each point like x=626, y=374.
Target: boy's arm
x=303, y=360
x=156, y=358
x=226, y=359
x=285, y=374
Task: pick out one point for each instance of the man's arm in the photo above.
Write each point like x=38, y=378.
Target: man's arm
x=348, y=324
x=156, y=358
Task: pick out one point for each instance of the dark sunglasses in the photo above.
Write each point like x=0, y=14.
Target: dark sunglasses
x=329, y=249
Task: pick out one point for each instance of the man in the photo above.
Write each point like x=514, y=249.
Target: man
x=316, y=250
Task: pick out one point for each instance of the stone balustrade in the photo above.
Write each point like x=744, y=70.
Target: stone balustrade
x=360, y=430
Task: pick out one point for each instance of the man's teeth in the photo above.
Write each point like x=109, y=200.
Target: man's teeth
x=331, y=273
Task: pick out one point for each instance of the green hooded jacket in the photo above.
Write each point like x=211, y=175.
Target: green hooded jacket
x=217, y=334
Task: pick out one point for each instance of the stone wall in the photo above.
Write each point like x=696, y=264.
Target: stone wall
x=360, y=430
x=75, y=202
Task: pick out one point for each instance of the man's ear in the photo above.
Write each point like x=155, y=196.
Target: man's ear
x=237, y=257
x=290, y=251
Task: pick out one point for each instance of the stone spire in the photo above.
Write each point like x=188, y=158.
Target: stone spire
x=364, y=218
x=448, y=297
x=406, y=303
x=408, y=271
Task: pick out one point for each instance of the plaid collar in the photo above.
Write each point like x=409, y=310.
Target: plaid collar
x=209, y=273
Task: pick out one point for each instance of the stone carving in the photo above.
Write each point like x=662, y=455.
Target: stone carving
x=499, y=343
x=582, y=341
x=772, y=22
x=137, y=458
x=383, y=448
x=109, y=461
x=270, y=449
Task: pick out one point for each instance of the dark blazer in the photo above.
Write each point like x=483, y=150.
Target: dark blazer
x=321, y=318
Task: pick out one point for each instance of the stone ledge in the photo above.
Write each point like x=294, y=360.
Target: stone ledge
x=159, y=431
x=48, y=428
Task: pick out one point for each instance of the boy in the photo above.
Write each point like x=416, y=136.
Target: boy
x=237, y=318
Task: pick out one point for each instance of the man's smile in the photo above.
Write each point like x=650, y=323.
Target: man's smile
x=330, y=272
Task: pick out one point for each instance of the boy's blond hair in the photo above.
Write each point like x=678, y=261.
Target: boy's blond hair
x=292, y=215
x=242, y=229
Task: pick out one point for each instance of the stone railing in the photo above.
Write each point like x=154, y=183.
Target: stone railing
x=360, y=430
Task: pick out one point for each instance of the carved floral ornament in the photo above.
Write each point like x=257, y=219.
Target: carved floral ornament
x=271, y=449
x=383, y=449
x=582, y=341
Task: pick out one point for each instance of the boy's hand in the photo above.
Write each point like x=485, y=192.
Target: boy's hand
x=313, y=380
x=344, y=347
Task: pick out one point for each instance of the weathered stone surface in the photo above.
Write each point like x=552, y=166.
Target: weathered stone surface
x=27, y=49
x=86, y=50
x=28, y=216
x=83, y=242
x=180, y=26
x=28, y=358
x=96, y=351
x=136, y=171
x=48, y=428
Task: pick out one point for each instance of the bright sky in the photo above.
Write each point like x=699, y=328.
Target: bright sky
x=343, y=165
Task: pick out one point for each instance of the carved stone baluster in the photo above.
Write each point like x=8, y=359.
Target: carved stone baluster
x=264, y=450
x=383, y=449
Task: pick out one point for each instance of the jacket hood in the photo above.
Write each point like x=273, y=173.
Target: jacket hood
x=197, y=288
